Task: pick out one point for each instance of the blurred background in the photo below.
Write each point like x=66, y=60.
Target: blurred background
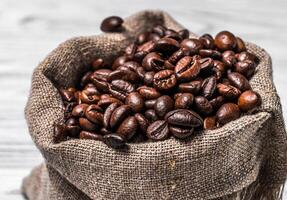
x=30, y=29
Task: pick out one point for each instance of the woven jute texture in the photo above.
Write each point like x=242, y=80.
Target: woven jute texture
x=245, y=159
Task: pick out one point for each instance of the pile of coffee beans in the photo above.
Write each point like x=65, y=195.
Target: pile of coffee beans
x=164, y=85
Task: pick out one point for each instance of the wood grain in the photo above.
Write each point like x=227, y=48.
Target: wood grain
x=30, y=29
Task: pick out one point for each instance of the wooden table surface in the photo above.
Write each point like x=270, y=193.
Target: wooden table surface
x=30, y=29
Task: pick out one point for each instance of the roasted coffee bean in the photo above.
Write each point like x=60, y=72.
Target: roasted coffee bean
x=90, y=89
x=105, y=131
x=150, y=114
x=119, y=114
x=227, y=112
x=112, y=24
x=135, y=101
x=240, y=45
x=142, y=38
x=108, y=113
x=148, y=92
x=228, y=91
x=158, y=130
x=105, y=102
x=153, y=61
x=142, y=121
x=90, y=135
x=128, y=128
x=119, y=62
x=95, y=114
x=172, y=34
x=186, y=69
x=89, y=99
x=183, y=117
x=101, y=74
x=219, y=69
x=120, y=89
x=132, y=65
x=202, y=105
x=159, y=29
x=225, y=40
x=86, y=78
x=228, y=58
x=87, y=125
x=73, y=130
x=194, y=45
x=131, y=50
x=184, y=101
x=192, y=87
x=168, y=65
x=149, y=104
x=206, y=65
x=166, y=45
x=209, y=123
x=177, y=95
x=154, y=37
x=246, y=68
x=114, y=141
x=208, y=87
x=141, y=72
x=67, y=95
x=207, y=41
x=60, y=132
x=176, y=56
x=164, y=80
x=239, y=81
x=148, y=78
x=98, y=63
x=146, y=47
x=246, y=56
x=163, y=105
x=248, y=100
x=184, y=33
x=72, y=122
x=79, y=110
x=124, y=73
x=210, y=53
x=217, y=102
x=181, y=132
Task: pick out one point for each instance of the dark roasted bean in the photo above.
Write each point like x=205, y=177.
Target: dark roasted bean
x=164, y=80
x=153, y=61
x=150, y=114
x=246, y=68
x=202, y=105
x=184, y=33
x=79, y=110
x=148, y=92
x=208, y=87
x=115, y=141
x=148, y=78
x=246, y=56
x=111, y=24
x=209, y=123
x=227, y=112
x=192, y=87
x=194, y=45
x=87, y=125
x=248, y=100
x=90, y=135
x=128, y=128
x=135, y=101
x=240, y=45
x=225, y=40
x=181, y=132
x=120, y=89
x=228, y=91
x=183, y=117
x=98, y=63
x=67, y=95
x=95, y=114
x=149, y=104
x=176, y=56
x=239, y=81
x=119, y=114
x=186, y=69
x=158, y=130
x=166, y=45
x=163, y=105
x=119, y=62
x=184, y=101
x=217, y=102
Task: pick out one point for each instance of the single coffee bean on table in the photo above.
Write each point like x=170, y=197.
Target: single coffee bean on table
x=164, y=85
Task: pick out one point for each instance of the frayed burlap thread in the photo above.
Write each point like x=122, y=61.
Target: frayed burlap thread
x=244, y=160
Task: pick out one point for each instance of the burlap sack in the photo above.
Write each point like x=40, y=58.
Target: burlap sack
x=245, y=159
